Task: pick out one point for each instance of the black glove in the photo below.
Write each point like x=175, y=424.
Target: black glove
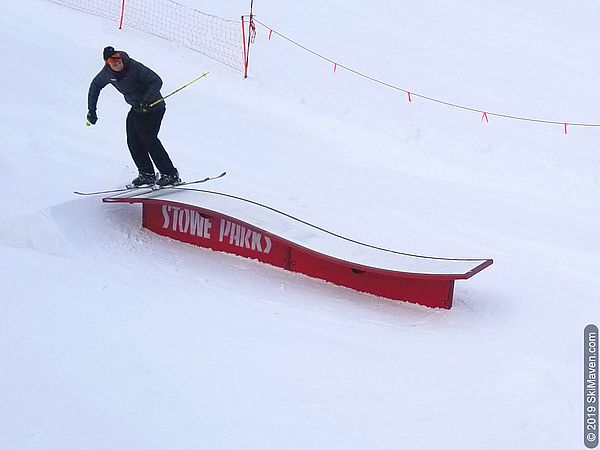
x=144, y=107
x=92, y=117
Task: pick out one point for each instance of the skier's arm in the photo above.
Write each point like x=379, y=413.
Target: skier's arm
x=153, y=83
x=98, y=83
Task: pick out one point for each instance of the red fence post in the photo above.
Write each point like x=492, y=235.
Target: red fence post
x=250, y=30
x=245, y=51
x=122, y=14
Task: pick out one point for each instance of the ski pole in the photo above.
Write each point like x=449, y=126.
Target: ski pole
x=154, y=103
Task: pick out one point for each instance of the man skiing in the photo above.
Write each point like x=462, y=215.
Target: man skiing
x=140, y=86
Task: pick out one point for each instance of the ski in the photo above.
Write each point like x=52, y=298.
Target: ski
x=153, y=187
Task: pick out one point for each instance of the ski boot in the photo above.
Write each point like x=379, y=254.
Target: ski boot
x=168, y=180
x=143, y=179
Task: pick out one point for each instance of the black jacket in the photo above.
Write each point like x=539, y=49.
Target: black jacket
x=136, y=82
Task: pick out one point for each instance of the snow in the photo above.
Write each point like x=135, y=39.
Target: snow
x=114, y=337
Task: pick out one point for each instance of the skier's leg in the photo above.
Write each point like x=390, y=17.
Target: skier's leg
x=138, y=151
x=149, y=126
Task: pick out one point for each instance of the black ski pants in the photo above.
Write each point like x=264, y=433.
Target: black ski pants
x=144, y=145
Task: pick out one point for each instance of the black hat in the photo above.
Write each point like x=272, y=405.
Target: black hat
x=108, y=52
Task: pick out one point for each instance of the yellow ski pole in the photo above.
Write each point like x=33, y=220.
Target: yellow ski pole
x=154, y=103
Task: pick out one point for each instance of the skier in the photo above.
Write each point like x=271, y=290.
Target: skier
x=140, y=86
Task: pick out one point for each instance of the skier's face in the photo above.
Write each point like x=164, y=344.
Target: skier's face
x=115, y=62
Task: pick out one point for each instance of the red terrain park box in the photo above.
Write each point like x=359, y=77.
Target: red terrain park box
x=417, y=279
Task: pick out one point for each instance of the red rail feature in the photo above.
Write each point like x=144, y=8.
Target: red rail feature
x=227, y=223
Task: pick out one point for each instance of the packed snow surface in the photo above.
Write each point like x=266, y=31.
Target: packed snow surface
x=112, y=337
